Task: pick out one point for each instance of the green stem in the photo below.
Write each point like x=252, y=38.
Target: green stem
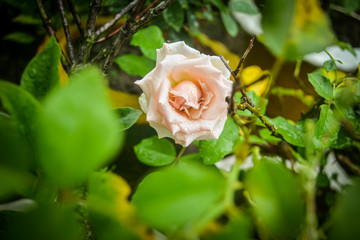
x=180, y=154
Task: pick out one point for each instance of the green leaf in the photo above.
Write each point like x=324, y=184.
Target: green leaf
x=343, y=140
x=127, y=117
x=293, y=134
x=192, y=22
x=20, y=37
x=229, y=23
x=329, y=65
x=184, y=4
x=155, y=152
x=321, y=84
x=345, y=46
x=295, y=28
x=78, y=132
x=173, y=197
x=322, y=180
x=21, y=105
x=213, y=150
x=259, y=102
x=236, y=228
x=148, y=39
x=135, y=65
x=266, y=135
x=219, y=4
x=174, y=16
x=41, y=75
x=243, y=6
x=327, y=128
x=277, y=199
x=346, y=215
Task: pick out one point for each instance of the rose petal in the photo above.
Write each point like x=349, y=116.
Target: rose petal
x=176, y=48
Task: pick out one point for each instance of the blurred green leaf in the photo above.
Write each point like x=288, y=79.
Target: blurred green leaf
x=343, y=140
x=321, y=84
x=207, y=12
x=110, y=209
x=21, y=105
x=134, y=64
x=127, y=117
x=155, y=152
x=351, y=5
x=184, y=4
x=148, y=39
x=219, y=4
x=327, y=128
x=277, y=199
x=192, y=22
x=329, y=65
x=20, y=37
x=171, y=198
x=292, y=133
x=244, y=6
x=295, y=28
x=346, y=216
x=78, y=132
x=322, y=180
x=174, y=16
x=55, y=221
x=213, y=150
x=266, y=135
x=229, y=23
x=345, y=46
x=42, y=73
x=237, y=228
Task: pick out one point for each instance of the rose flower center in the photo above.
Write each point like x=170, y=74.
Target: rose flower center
x=189, y=98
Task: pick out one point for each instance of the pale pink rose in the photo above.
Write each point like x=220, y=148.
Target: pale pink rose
x=184, y=95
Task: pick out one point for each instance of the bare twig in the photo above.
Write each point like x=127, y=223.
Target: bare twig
x=88, y=42
x=66, y=30
x=146, y=9
x=76, y=17
x=242, y=59
x=112, y=22
x=343, y=11
x=47, y=23
x=129, y=28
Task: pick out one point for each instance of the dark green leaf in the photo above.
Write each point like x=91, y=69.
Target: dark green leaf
x=20, y=37
x=229, y=23
x=155, y=152
x=174, y=16
x=127, y=117
x=243, y=6
x=219, y=4
x=293, y=134
x=42, y=73
x=207, y=12
x=236, y=228
x=321, y=84
x=184, y=4
x=346, y=216
x=170, y=198
x=21, y=105
x=329, y=65
x=327, y=128
x=135, y=65
x=343, y=140
x=213, y=150
x=148, y=39
x=78, y=132
x=192, y=21
x=277, y=199
x=322, y=180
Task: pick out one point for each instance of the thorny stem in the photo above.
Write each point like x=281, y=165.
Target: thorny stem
x=112, y=22
x=242, y=59
x=76, y=17
x=67, y=32
x=47, y=23
x=129, y=28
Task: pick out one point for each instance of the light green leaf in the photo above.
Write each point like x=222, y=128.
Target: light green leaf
x=327, y=128
x=20, y=37
x=329, y=65
x=41, y=75
x=236, y=228
x=127, y=117
x=321, y=84
x=135, y=65
x=244, y=6
x=213, y=150
x=266, y=135
x=148, y=39
x=293, y=134
x=174, y=16
x=155, y=152
x=229, y=23
x=170, y=198
x=78, y=132
x=277, y=199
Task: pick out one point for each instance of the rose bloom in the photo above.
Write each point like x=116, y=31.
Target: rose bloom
x=184, y=96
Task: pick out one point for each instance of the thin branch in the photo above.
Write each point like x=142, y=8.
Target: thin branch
x=76, y=17
x=343, y=11
x=112, y=22
x=47, y=24
x=242, y=59
x=146, y=9
x=129, y=28
x=67, y=32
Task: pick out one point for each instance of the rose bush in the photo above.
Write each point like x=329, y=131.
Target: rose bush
x=184, y=96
